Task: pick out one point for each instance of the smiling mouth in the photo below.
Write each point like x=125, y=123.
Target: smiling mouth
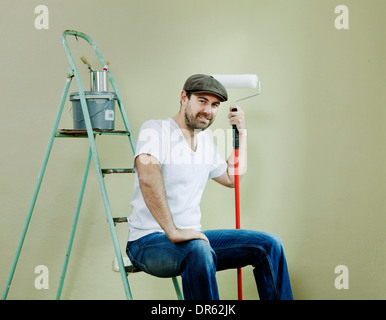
x=203, y=118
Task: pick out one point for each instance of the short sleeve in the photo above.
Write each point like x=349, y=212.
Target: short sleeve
x=150, y=140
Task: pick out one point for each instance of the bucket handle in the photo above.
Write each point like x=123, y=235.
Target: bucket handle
x=91, y=116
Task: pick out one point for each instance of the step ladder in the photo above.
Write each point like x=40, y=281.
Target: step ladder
x=91, y=134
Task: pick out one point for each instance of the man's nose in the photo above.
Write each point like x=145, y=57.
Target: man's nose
x=206, y=109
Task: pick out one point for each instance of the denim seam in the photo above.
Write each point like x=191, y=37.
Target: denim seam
x=135, y=261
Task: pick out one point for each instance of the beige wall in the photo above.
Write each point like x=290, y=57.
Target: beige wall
x=316, y=163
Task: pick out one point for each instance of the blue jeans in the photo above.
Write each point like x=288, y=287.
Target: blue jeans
x=197, y=261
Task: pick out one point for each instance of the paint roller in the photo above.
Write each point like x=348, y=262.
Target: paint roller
x=238, y=81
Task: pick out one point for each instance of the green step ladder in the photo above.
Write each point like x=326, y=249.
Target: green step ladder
x=91, y=134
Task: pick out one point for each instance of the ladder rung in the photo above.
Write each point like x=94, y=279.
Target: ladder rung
x=83, y=133
x=116, y=170
x=119, y=219
x=131, y=269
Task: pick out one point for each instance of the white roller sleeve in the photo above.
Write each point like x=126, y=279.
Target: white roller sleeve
x=237, y=80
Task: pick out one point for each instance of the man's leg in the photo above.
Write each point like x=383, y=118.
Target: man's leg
x=262, y=250
x=194, y=260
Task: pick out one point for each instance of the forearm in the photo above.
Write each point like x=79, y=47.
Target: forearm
x=153, y=192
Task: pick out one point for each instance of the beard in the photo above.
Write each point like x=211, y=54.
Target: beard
x=194, y=122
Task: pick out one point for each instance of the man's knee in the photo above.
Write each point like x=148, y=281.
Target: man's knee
x=274, y=244
x=201, y=253
x=276, y=241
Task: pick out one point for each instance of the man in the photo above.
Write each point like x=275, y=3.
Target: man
x=174, y=159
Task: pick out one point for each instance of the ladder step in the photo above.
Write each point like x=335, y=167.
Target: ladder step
x=76, y=133
x=131, y=269
x=116, y=170
x=120, y=219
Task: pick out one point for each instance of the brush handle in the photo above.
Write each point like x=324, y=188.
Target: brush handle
x=84, y=60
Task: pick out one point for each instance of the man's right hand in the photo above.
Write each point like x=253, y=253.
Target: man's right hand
x=180, y=235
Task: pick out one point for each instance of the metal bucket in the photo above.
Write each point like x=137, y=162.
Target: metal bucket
x=101, y=108
x=99, y=81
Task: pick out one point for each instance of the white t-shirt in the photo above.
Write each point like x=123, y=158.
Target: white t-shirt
x=185, y=173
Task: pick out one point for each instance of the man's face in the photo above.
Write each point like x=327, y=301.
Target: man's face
x=201, y=110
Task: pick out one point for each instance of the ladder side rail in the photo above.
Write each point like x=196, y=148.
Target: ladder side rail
x=74, y=225
x=39, y=182
x=122, y=110
x=95, y=156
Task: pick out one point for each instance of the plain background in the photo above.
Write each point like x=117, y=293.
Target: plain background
x=316, y=158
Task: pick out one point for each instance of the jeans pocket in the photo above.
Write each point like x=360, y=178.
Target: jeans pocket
x=155, y=254
x=136, y=250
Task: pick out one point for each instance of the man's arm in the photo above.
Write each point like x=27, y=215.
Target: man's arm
x=153, y=192
x=227, y=178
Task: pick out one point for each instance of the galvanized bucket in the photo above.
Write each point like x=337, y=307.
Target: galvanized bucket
x=99, y=81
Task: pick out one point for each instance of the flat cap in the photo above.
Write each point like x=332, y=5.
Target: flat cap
x=207, y=84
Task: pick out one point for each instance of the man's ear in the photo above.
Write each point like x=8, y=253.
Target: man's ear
x=183, y=98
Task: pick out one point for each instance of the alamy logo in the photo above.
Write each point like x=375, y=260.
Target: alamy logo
x=41, y=21
x=341, y=281
x=41, y=281
x=341, y=21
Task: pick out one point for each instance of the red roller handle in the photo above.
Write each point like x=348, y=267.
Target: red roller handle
x=237, y=200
